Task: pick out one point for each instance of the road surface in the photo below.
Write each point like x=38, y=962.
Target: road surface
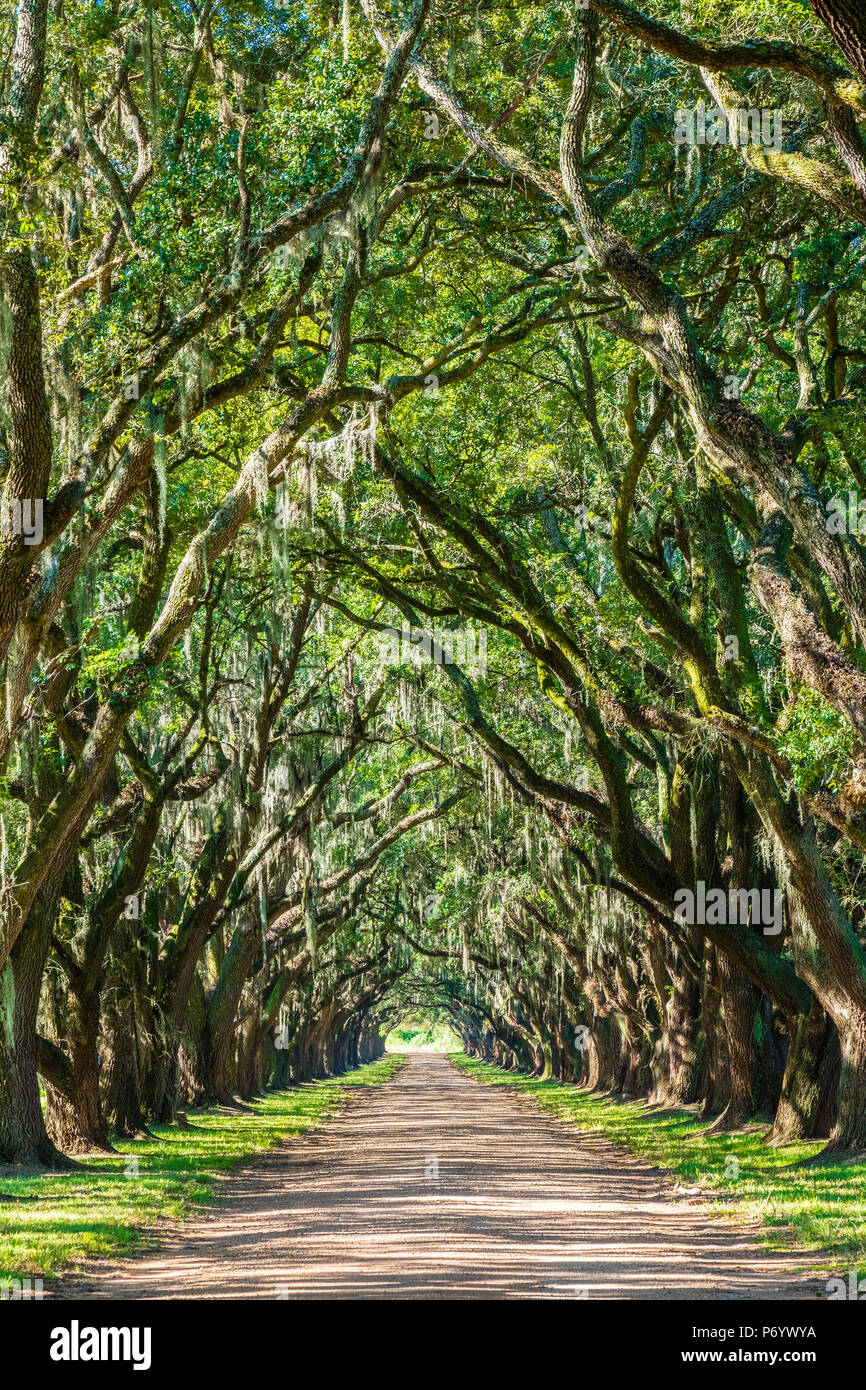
x=434, y=1186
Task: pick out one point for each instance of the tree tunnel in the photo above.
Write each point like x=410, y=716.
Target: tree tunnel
x=431, y=561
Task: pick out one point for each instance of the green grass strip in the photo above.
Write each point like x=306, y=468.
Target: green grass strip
x=821, y=1208
x=50, y=1221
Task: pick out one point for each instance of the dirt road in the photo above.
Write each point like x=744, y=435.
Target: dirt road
x=434, y=1186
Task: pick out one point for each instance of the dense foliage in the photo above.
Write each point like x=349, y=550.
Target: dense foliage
x=430, y=563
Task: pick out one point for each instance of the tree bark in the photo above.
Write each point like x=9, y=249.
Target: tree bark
x=846, y=20
x=23, y=1135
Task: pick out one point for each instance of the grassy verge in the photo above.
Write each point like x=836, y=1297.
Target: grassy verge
x=823, y=1209
x=50, y=1221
